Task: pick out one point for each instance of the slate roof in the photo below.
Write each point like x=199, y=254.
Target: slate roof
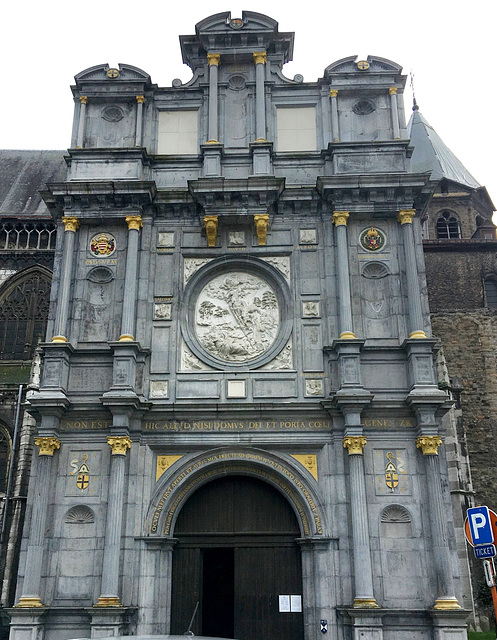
x=431, y=154
x=22, y=175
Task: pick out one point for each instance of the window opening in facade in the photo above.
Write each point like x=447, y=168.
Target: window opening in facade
x=491, y=293
x=448, y=226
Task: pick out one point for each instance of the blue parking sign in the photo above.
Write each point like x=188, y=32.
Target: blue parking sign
x=480, y=525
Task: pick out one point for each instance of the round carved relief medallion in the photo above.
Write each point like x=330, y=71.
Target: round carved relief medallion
x=237, y=316
x=236, y=313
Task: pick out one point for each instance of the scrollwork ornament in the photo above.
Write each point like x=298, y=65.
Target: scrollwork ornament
x=429, y=445
x=354, y=444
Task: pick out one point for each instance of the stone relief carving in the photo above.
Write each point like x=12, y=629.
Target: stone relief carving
x=158, y=388
x=236, y=238
x=314, y=387
x=308, y=236
x=284, y=360
x=162, y=311
x=310, y=309
x=191, y=265
x=190, y=362
x=237, y=317
x=281, y=263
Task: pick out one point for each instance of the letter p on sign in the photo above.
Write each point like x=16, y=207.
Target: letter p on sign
x=480, y=526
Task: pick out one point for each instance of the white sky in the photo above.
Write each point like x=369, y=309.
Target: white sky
x=448, y=45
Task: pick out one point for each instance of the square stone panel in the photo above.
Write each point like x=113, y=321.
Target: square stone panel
x=236, y=389
x=165, y=239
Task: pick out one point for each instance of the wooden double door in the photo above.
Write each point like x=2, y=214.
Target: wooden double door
x=236, y=554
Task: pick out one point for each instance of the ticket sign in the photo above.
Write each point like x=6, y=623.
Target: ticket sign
x=480, y=527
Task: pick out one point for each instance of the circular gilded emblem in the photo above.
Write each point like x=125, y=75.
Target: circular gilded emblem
x=237, y=316
x=236, y=23
x=372, y=239
x=102, y=245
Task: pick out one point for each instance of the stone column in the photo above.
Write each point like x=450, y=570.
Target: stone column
x=395, y=112
x=139, y=120
x=71, y=226
x=342, y=263
x=260, y=60
x=82, y=121
x=334, y=115
x=213, y=60
x=446, y=598
x=34, y=558
x=112, y=545
x=413, y=291
x=130, y=280
x=363, y=572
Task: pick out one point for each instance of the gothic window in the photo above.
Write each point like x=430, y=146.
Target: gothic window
x=5, y=450
x=24, y=305
x=448, y=225
x=490, y=293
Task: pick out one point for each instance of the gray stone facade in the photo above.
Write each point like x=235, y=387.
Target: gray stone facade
x=240, y=292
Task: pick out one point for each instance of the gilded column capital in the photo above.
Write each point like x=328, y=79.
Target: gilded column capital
x=406, y=215
x=339, y=218
x=47, y=445
x=140, y=99
x=214, y=59
x=119, y=445
x=354, y=444
x=83, y=99
x=134, y=222
x=429, y=445
x=261, y=221
x=210, y=223
x=333, y=93
x=260, y=57
x=392, y=91
x=70, y=223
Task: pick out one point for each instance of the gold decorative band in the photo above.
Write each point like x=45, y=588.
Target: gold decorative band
x=119, y=445
x=417, y=334
x=109, y=601
x=214, y=59
x=429, y=445
x=260, y=57
x=83, y=99
x=29, y=602
x=365, y=603
x=47, y=445
x=134, y=222
x=59, y=339
x=333, y=93
x=140, y=99
x=406, y=215
x=347, y=335
x=339, y=218
x=354, y=444
x=392, y=91
x=445, y=604
x=70, y=223
x=126, y=337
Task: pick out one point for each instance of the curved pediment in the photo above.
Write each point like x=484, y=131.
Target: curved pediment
x=99, y=73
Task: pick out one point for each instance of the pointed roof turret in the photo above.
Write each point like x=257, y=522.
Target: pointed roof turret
x=431, y=154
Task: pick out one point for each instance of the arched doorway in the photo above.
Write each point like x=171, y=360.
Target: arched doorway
x=236, y=554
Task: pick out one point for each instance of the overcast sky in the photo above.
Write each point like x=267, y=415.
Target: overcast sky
x=450, y=48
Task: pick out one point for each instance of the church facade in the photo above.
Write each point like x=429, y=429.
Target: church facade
x=239, y=424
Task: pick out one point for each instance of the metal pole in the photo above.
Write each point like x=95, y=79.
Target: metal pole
x=11, y=466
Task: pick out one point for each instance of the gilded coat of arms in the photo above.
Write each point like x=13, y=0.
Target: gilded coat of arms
x=102, y=245
x=372, y=239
